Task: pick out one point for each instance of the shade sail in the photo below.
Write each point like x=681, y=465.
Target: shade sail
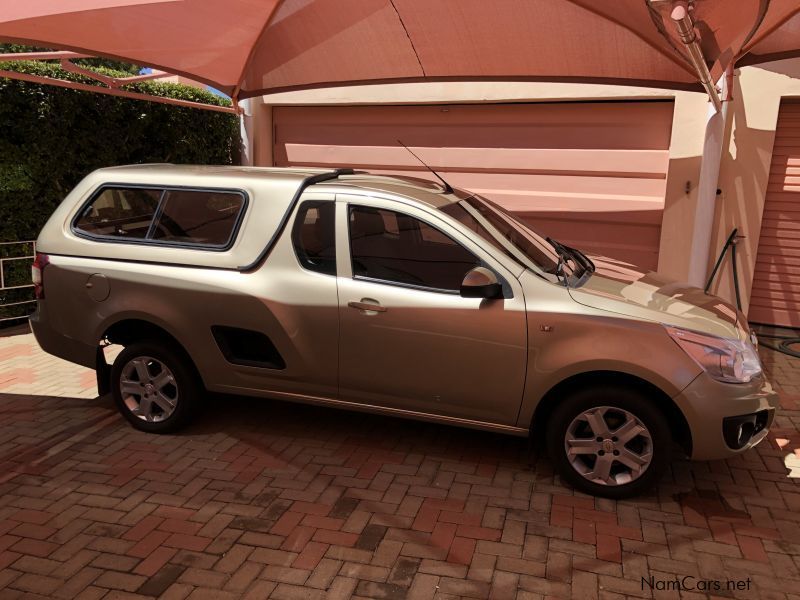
x=250, y=47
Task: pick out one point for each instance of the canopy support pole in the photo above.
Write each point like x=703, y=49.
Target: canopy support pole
x=74, y=85
x=112, y=85
x=112, y=82
x=685, y=26
x=55, y=54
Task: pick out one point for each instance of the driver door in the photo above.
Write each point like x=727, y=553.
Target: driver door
x=408, y=340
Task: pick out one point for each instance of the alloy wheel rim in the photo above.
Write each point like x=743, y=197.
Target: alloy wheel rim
x=148, y=389
x=608, y=446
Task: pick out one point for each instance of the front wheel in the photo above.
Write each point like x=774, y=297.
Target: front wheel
x=154, y=386
x=608, y=441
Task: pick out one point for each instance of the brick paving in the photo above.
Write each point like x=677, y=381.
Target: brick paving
x=263, y=499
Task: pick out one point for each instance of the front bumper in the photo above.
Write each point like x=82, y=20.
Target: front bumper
x=709, y=406
x=58, y=344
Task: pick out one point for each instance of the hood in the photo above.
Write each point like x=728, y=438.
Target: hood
x=625, y=289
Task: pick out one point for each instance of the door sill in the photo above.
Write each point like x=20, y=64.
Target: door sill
x=379, y=410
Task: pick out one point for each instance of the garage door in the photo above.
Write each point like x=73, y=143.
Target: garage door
x=590, y=174
x=776, y=285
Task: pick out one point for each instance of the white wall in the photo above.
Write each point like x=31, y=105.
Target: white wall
x=745, y=165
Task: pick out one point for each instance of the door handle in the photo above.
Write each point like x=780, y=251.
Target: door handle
x=367, y=305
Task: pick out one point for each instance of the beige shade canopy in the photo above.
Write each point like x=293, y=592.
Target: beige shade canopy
x=250, y=47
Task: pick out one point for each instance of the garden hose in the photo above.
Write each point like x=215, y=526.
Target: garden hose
x=733, y=238
x=780, y=341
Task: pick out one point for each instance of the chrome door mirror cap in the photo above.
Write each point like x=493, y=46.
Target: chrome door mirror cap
x=481, y=282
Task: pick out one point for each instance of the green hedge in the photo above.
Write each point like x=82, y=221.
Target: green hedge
x=51, y=137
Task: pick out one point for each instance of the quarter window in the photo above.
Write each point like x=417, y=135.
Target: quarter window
x=314, y=236
x=416, y=254
x=119, y=212
x=198, y=217
x=177, y=216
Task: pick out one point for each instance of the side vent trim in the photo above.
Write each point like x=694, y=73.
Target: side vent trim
x=247, y=347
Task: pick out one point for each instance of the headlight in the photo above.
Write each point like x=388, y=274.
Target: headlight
x=731, y=361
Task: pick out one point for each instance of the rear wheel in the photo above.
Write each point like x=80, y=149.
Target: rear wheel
x=154, y=386
x=609, y=441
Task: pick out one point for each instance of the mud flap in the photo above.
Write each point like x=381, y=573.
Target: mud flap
x=103, y=372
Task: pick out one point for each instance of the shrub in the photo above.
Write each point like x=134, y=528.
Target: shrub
x=51, y=137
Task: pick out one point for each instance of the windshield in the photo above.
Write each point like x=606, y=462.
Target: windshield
x=515, y=238
x=505, y=232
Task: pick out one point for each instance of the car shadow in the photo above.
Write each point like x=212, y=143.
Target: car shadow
x=254, y=418
x=286, y=437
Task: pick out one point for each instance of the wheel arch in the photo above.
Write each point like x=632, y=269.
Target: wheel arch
x=136, y=328
x=679, y=426
x=128, y=330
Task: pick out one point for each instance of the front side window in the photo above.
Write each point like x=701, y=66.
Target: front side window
x=314, y=236
x=120, y=212
x=414, y=253
x=205, y=218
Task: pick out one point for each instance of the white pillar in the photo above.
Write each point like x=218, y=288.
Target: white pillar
x=707, y=192
x=256, y=131
x=247, y=129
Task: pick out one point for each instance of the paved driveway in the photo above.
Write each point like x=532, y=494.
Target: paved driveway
x=264, y=499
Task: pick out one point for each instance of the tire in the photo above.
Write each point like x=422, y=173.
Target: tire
x=622, y=410
x=148, y=408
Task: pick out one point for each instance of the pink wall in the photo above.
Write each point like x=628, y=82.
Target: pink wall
x=775, y=297
x=592, y=174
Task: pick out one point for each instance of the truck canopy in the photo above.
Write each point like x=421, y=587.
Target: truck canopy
x=269, y=196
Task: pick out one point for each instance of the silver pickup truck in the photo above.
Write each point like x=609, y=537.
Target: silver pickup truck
x=394, y=296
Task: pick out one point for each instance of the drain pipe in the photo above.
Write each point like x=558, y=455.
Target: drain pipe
x=683, y=23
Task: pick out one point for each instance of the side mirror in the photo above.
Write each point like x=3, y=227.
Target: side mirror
x=480, y=282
